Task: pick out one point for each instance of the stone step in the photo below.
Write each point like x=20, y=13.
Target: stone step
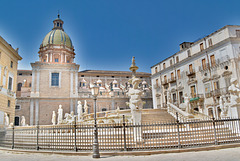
x=156, y=115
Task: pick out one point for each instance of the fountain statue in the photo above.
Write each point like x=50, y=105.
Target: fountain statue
x=135, y=103
x=54, y=118
x=60, y=115
x=6, y=119
x=79, y=111
x=23, y=121
x=85, y=107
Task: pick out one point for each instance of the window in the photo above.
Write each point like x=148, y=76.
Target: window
x=170, y=62
x=189, y=53
x=10, y=83
x=11, y=64
x=19, y=86
x=55, y=79
x=178, y=74
x=165, y=78
x=212, y=58
x=210, y=42
x=44, y=60
x=30, y=84
x=177, y=59
x=172, y=76
x=9, y=103
x=201, y=47
x=164, y=65
x=181, y=97
x=156, y=70
x=174, y=96
x=17, y=107
x=99, y=84
x=20, y=74
x=216, y=85
x=228, y=81
x=82, y=75
x=204, y=65
x=190, y=68
x=238, y=33
x=56, y=59
x=16, y=121
x=83, y=84
x=157, y=82
x=207, y=88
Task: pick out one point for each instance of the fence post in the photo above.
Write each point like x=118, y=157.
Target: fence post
x=215, y=134
x=178, y=131
x=75, y=135
x=124, y=133
x=13, y=137
x=37, y=147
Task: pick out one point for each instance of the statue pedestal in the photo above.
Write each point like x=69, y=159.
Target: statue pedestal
x=137, y=117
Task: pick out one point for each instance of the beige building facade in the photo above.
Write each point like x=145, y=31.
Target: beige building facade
x=9, y=58
x=201, y=72
x=55, y=79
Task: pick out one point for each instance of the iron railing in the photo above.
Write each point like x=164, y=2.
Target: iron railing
x=123, y=136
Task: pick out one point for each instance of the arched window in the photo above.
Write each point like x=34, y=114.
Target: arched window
x=19, y=86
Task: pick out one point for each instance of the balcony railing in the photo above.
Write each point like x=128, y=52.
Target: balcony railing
x=190, y=72
x=208, y=94
x=164, y=82
x=172, y=80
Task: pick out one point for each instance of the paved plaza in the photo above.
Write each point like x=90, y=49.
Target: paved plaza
x=231, y=154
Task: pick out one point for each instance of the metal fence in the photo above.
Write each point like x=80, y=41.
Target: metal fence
x=123, y=136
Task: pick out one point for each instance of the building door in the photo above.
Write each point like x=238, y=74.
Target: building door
x=17, y=121
x=193, y=91
x=181, y=97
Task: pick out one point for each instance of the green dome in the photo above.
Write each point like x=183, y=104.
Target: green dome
x=57, y=37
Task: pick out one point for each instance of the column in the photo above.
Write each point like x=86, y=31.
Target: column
x=71, y=81
x=33, y=80
x=76, y=83
x=76, y=104
x=31, y=111
x=36, y=111
x=71, y=105
x=51, y=55
x=37, y=81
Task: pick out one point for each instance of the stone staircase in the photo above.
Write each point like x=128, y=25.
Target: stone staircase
x=156, y=115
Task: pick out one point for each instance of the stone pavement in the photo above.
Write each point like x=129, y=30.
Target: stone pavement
x=230, y=154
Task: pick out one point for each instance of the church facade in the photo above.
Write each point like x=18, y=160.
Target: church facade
x=55, y=79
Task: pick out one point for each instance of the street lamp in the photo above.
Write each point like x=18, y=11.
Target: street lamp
x=95, y=91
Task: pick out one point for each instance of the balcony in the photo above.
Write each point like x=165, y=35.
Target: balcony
x=164, y=82
x=208, y=94
x=10, y=93
x=190, y=72
x=204, y=67
x=221, y=61
x=217, y=92
x=172, y=80
x=224, y=91
x=192, y=80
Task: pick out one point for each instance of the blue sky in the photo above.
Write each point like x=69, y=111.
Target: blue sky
x=107, y=33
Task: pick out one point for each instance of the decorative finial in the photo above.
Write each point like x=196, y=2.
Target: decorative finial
x=133, y=67
x=58, y=14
